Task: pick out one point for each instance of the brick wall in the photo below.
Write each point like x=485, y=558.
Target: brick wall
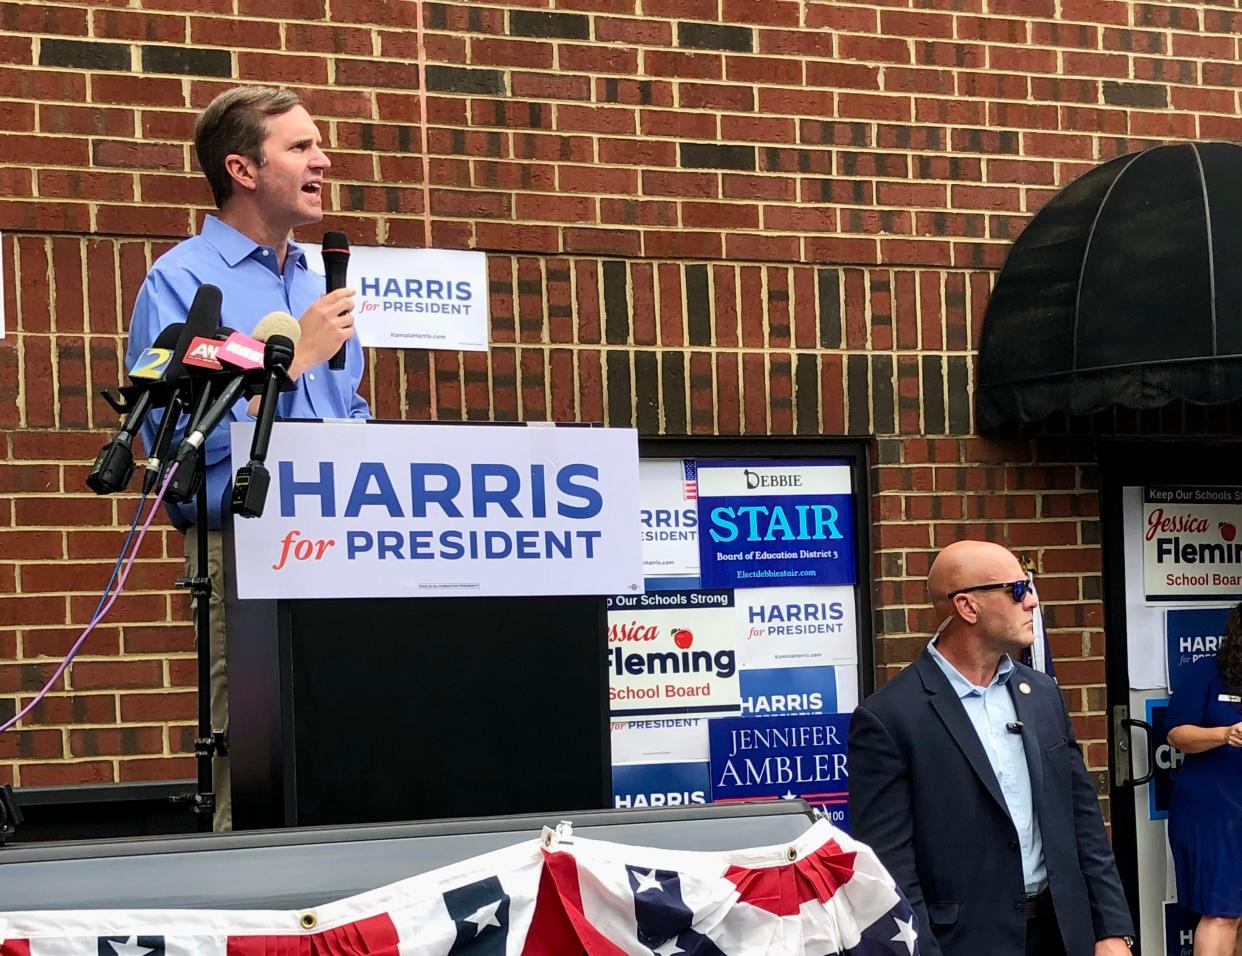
x=760, y=217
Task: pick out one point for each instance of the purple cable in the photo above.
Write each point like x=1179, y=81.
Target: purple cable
x=102, y=612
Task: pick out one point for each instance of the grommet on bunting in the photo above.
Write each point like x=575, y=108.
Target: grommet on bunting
x=308, y=920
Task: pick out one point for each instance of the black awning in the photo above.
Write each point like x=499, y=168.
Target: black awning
x=1125, y=289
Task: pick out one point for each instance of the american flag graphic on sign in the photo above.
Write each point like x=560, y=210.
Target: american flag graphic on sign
x=690, y=484
x=820, y=895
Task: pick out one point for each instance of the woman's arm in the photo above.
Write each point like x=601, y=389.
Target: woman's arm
x=1190, y=739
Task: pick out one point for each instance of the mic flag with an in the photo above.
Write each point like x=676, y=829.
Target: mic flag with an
x=823, y=894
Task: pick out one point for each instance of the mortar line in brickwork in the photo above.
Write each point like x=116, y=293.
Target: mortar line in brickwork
x=420, y=37
x=18, y=332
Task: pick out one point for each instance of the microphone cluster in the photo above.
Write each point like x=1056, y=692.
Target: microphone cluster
x=201, y=368
x=198, y=370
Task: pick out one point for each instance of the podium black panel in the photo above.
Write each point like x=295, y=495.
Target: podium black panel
x=348, y=711
x=412, y=709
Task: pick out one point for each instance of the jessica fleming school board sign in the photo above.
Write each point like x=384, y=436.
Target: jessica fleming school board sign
x=416, y=298
x=367, y=509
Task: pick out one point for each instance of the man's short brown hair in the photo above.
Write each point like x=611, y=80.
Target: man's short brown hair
x=236, y=122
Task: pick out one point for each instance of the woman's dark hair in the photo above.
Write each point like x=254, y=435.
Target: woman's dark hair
x=1229, y=654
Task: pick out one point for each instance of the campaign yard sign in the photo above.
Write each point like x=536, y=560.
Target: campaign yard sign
x=659, y=740
x=755, y=758
x=775, y=523
x=671, y=652
x=661, y=785
x=370, y=509
x=1191, y=634
x=1191, y=549
x=1167, y=759
x=1179, y=930
x=781, y=691
x=793, y=627
x=670, y=523
x=416, y=298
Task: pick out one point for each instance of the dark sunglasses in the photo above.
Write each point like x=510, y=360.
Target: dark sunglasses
x=1017, y=589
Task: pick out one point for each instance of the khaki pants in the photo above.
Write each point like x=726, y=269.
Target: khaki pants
x=219, y=675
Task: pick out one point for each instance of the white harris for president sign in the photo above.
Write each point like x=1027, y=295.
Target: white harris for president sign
x=416, y=298
x=367, y=509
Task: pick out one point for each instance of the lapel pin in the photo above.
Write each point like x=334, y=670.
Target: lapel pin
x=1024, y=687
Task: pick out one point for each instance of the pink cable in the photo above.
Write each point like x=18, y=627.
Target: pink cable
x=103, y=611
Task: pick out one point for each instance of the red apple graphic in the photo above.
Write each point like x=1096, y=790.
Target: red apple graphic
x=1227, y=531
x=682, y=637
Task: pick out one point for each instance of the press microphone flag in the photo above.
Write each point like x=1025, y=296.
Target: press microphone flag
x=335, y=251
x=200, y=354
x=239, y=354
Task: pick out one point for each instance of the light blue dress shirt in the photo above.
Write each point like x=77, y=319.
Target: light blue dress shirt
x=990, y=709
x=252, y=286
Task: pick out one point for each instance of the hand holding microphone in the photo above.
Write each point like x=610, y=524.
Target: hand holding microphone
x=325, y=327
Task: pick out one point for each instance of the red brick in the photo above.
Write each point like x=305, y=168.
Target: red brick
x=138, y=25
x=700, y=66
x=144, y=90
x=167, y=768
x=93, y=675
x=221, y=32
x=161, y=706
x=787, y=13
x=66, y=774
x=71, y=709
x=115, y=741
x=597, y=59
x=676, y=124
x=874, y=49
x=41, y=85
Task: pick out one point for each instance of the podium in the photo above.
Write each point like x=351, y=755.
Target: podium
x=365, y=708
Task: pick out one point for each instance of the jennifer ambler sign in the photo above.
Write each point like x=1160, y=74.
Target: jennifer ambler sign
x=416, y=298
x=756, y=758
x=364, y=509
x=1191, y=545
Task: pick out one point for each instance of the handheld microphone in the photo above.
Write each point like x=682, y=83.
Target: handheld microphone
x=252, y=481
x=241, y=352
x=335, y=265
x=1014, y=726
x=114, y=465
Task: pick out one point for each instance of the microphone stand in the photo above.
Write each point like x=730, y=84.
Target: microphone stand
x=209, y=742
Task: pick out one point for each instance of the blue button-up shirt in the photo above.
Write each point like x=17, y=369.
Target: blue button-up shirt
x=990, y=709
x=252, y=286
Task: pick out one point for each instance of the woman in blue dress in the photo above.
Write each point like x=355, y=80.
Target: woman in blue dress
x=1205, y=813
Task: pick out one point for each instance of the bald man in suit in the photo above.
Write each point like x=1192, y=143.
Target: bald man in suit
x=966, y=779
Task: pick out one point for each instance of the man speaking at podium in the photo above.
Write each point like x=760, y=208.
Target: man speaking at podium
x=260, y=151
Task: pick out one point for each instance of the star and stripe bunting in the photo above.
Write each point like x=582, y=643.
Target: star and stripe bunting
x=824, y=894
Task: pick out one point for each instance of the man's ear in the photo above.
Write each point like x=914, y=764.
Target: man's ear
x=966, y=608
x=242, y=170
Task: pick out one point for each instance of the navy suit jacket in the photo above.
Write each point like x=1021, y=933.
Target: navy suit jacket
x=923, y=795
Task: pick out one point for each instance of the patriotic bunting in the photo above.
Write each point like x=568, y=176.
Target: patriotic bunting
x=821, y=895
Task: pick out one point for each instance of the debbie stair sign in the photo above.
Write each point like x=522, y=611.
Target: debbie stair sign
x=775, y=525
